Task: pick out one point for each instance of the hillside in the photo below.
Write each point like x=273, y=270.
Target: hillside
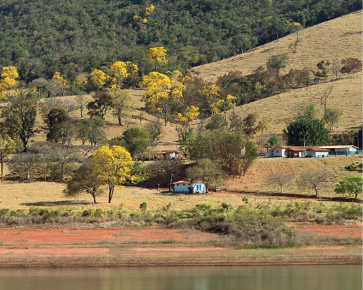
x=335, y=39
x=44, y=36
x=346, y=96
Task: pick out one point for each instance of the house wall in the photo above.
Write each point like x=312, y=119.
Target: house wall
x=279, y=152
x=184, y=188
x=171, y=156
x=181, y=188
x=317, y=154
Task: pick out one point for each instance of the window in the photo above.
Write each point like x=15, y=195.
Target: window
x=277, y=151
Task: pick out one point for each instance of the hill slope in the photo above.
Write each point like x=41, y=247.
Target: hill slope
x=335, y=39
x=346, y=96
x=44, y=36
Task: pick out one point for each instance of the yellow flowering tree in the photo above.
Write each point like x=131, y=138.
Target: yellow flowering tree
x=113, y=166
x=157, y=55
x=162, y=91
x=7, y=146
x=98, y=78
x=60, y=83
x=81, y=81
x=9, y=74
x=120, y=71
x=185, y=120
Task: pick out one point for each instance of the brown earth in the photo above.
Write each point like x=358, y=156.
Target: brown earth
x=39, y=247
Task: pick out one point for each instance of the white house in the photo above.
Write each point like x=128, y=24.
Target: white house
x=316, y=152
x=341, y=149
x=299, y=151
x=185, y=186
x=279, y=151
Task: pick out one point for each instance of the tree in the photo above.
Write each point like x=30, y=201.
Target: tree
x=250, y=126
x=315, y=180
x=277, y=62
x=41, y=85
x=81, y=102
x=19, y=118
x=207, y=171
x=102, y=102
x=351, y=185
x=121, y=104
x=307, y=111
x=91, y=130
x=113, y=166
x=23, y=165
x=185, y=120
x=84, y=179
x=351, y=65
x=156, y=55
x=321, y=72
x=55, y=122
x=331, y=117
x=162, y=92
x=60, y=83
x=272, y=141
x=9, y=74
x=98, y=78
x=154, y=129
x=7, y=146
x=280, y=179
x=305, y=132
x=135, y=140
x=217, y=122
x=235, y=123
x=248, y=157
x=63, y=163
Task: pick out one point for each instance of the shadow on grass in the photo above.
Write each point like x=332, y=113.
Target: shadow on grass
x=56, y=203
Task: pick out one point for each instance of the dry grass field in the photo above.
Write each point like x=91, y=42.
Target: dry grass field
x=16, y=195
x=346, y=96
x=335, y=39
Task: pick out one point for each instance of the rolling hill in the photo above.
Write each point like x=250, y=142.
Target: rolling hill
x=334, y=39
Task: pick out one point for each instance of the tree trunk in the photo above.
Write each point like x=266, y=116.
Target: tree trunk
x=27, y=174
x=282, y=188
x=94, y=198
x=81, y=107
x=119, y=118
x=111, y=188
x=2, y=167
x=316, y=192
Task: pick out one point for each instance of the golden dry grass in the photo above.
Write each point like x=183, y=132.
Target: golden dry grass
x=168, y=135
x=346, y=96
x=335, y=39
x=16, y=195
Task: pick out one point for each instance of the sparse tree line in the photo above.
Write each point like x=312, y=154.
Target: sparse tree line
x=318, y=180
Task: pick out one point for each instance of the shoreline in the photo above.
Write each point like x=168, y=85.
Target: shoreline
x=40, y=247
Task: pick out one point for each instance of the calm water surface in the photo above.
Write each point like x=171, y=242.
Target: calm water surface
x=185, y=278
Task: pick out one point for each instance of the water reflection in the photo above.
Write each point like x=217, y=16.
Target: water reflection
x=182, y=278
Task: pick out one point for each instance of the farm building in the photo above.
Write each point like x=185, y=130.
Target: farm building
x=166, y=155
x=185, y=186
x=341, y=149
x=299, y=151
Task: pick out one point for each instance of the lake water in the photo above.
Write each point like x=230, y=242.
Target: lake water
x=185, y=278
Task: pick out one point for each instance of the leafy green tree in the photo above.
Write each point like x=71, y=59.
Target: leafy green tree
x=331, y=117
x=351, y=185
x=305, y=132
x=19, y=118
x=84, y=179
x=272, y=141
x=23, y=165
x=207, y=171
x=55, y=122
x=135, y=140
x=217, y=122
x=277, y=62
x=102, y=102
x=154, y=130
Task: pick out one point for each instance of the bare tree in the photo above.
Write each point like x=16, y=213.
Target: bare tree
x=281, y=179
x=23, y=165
x=315, y=180
x=82, y=103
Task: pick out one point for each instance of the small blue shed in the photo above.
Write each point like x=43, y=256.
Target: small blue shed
x=185, y=186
